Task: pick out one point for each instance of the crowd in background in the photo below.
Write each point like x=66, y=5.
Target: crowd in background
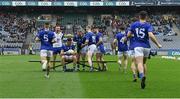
x=163, y=24
x=15, y=28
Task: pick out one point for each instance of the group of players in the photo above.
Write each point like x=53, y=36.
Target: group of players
x=91, y=43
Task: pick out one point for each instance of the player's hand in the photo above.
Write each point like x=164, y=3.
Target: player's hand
x=124, y=39
x=159, y=46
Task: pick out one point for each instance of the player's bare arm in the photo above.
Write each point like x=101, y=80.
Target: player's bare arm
x=153, y=38
x=100, y=41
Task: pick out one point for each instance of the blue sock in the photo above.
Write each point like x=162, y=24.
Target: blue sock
x=141, y=75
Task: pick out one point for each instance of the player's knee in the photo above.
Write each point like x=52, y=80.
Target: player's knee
x=74, y=57
x=44, y=61
x=63, y=57
x=119, y=61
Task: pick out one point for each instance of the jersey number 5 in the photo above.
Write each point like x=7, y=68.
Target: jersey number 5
x=46, y=38
x=140, y=32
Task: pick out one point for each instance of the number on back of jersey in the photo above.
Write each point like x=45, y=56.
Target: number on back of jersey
x=140, y=32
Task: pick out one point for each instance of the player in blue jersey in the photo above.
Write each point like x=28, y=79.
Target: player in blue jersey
x=100, y=49
x=142, y=31
x=57, y=46
x=131, y=56
x=122, y=47
x=79, y=38
x=46, y=37
x=68, y=53
x=91, y=42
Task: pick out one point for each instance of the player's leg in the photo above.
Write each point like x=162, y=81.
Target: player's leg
x=134, y=69
x=49, y=56
x=146, y=55
x=102, y=51
x=43, y=54
x=90, y=53
x=120, y=57
x=125, y=55
x=98, y=60
x=145, y=69
x=83, y=57
x=139, y=61
x=74, y=58
x=104, y=66
x=133, y=65
x=89, y=58
x=54, y=59
x=63, y=63
x=139, y=56
x=48, y=67
x=78, y=55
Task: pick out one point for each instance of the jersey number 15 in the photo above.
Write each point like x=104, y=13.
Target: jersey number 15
x=140, y=32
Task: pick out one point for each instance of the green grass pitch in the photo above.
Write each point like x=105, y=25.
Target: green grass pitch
x=19, y=78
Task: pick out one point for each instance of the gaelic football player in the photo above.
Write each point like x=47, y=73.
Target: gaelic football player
x=142, y=31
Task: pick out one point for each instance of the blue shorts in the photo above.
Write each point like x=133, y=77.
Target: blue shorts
x=57, y=50
x=100, y=49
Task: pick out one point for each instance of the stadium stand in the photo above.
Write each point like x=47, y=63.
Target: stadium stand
x=14, y=30
x=19, y=30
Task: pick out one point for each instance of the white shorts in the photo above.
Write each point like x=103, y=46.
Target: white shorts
x=124, y=53
x=92, y=48
x=131, y=53
x=84, y=49
x=140, y=51
x=46, y=53
x=68, y=57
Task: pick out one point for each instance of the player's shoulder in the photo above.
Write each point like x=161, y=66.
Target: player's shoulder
x=52, y=32
x=55, y=33
x=41, y=31
x=135, y=23
x=119, y=34
x=100, y=34
x=148, y=24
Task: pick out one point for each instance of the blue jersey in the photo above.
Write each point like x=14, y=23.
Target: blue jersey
x=98, y=36
x=78, y=39
x=100, y=46
x=46, y=38
x=91, y=37
x=65, y=48
x=131, y=43
x=140, y=32
x=122, y=46
x=84, y=39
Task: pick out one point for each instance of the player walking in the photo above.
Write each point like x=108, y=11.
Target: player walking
x=91, y=42
x=122, y=47
x=46, y=37
x=100, y=49
x=142, y=31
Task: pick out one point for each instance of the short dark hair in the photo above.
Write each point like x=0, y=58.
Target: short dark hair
x=46, y=23
x=69, y=39
x=122, y=27
x=88, y=27
x=143, y=14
